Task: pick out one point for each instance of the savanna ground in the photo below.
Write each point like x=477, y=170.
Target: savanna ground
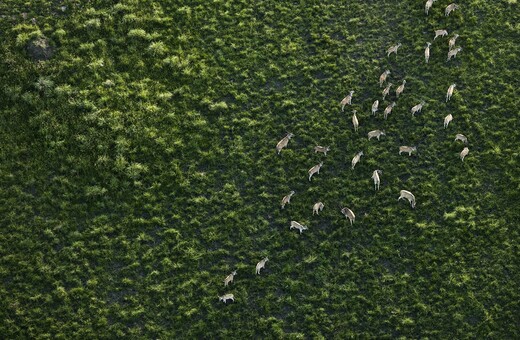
x=138, y=169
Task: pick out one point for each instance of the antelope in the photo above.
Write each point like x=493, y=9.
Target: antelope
x=347, y=100
x=315, y=169
x=375, y=107
x=226, y=297
x=408, y=195
x=450, y=91
x=408, y=149
x=417, y=108
x=440, y=33
x=382, y=77
x=461, y=137
x=287, y=199
x=452, y=41
x=283, y=143
x=375, y=177
x=375, y=133
x=317, y=208
x=261, y=265
x=450, y=8
x=388, y=109
x=427, y=52
x=322, y=149
x=230, y=278
x=393, y=49
x=355, y=121
x=387, y=90
x=296, y=225
x=464, y=153
x=400, y=89
x=356, y=159
x=447, y=120
x=349, y=214
x=428, y=5
x=453, y=53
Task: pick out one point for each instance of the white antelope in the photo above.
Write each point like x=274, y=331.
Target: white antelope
x=377, y=180
x=453, y=53
x=464, y=153
x=453, y=40
x=386, y=91
x=283, y=143
x=400, y=89
x=427, y=52
x=226, y=297
x=428, y=5
x=393, y=49
x=287, y=199
x=356, y=159
x=261, y=265
x=388, y=110
x=450, y=8
x=230, y=278
x=375, y=107
x=450, y=91
x=315, y=169
x=382, y=77
x=317, y=207
x=417, y=108
x=375, y=133
x=321, y=149
x=296, y=225
x=461, y=137
x=346, y=100
x=355, y=121
x=408, y=149
x=349, y=214
x=440, y=33
x=447, y=120
x=408, y=195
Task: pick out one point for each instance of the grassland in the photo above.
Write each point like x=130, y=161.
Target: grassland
x=138, y=169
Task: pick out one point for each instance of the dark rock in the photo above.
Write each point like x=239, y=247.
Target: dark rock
x=40, y=49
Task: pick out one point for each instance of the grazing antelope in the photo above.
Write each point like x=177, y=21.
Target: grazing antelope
x=261, y=265
x=287, y=199
x=356, y=159
x=283, y=143
x=427, y=52
x=428, y=5
x=230, y=278
x=347, y=100
x=375, y=133
x=450, y=91
x=375, y=107
x=322, y=149
x=464, y=153
x=388, y=109
x=447, y=120
x=408, y=149
x=452, y=42
x=355, y=121
x=393, y=49
x=226, y=297
x=296, y=225
x=317, y=207
x=461, y=137
x=400, y=89
x=440, y=33
x=349, y=214
x=450, y=8
x=453, y=53
x=382, y=77
x=315, y=169
x=386, y=91
x=408, y=195
x=375, y=177
x=417, y=108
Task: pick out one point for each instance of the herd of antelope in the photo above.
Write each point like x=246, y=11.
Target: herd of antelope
x=403, y=194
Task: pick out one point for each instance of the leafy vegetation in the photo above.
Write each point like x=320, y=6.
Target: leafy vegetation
x=138, y=169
